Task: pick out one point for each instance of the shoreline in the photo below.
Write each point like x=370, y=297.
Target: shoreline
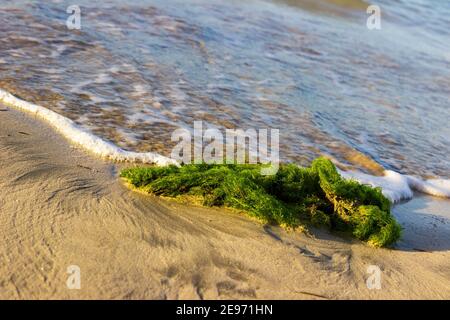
x=78, y=136
x=396, y=186
x=62, y=207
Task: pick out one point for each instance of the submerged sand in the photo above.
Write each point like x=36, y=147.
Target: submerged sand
x=62, y=207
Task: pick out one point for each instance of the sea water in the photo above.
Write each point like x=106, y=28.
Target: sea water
x=136, y=71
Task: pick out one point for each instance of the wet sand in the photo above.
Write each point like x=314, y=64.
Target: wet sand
x=61, y=207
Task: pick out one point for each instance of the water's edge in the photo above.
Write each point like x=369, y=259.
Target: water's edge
x=71, y=131
x=395, y=186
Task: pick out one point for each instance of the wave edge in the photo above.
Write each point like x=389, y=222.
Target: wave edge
x=395, y=186
x=88, y=141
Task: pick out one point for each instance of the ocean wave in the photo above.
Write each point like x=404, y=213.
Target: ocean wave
x=395, y=186
x=79, y=136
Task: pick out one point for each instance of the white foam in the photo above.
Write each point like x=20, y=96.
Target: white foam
x=434, y=187
x=397, y=187
x=77, y=135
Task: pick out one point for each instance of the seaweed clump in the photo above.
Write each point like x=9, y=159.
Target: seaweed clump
x=292, y=197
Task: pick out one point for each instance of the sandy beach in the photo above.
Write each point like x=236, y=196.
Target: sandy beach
x=60, y=206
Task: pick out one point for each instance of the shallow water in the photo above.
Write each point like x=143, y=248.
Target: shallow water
x=139, y=69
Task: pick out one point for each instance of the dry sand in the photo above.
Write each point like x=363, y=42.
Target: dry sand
x=61, y=207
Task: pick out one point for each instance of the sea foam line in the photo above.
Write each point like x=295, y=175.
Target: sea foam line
x=395, y=186
x=71, y=131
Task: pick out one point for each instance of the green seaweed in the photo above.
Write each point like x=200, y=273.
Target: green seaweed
x=292, y=197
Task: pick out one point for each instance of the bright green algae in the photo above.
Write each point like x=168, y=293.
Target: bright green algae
x=294, y=196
